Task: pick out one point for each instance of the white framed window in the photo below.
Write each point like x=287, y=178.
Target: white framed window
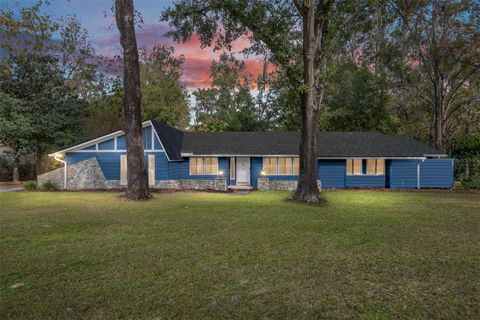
x=232, y=168
x=373, y=167
x=123, y=169
x=282, y=166
x=204, y=166
x=151, y=169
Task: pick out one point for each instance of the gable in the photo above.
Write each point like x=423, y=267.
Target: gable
x=115, y=142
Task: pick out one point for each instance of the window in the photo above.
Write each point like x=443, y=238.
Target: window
x=151, y=169
x=232, y=168
x=380, y=167
x=354, y=166
x=270, y=165
x=296, y=166
x=280, y=166
x=210, y=165
x=123, y=169
x=374, y=167
x=200, y=166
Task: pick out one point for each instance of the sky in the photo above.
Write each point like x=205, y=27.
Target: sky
x=98, y=19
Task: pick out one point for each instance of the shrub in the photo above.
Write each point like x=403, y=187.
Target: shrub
x=49, y=186
x=30, y=185
x=471, y=183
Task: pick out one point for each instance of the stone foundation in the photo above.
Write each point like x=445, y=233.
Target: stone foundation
x=265, y=184
x=219, y=184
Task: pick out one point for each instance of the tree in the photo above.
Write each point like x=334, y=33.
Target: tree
x=15, y=130
x=466, y=150
x=441, y=41
x=164, y=97
x=287, y=31
x=227, y=105
x=41, y=111
x=31, y=32
x=137, y=183
x=355, y=100
x=103, y=113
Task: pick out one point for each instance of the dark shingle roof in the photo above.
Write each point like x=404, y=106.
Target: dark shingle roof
x=330, y=144
x=171, y=139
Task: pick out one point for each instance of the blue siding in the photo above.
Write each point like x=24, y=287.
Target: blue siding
x=109, y=162
x=436, y=173
x=403, y=173
x=161, y=165
x=332, y=173
x=256, y=166
x=107, y=145
x=366, y=181
x=121, y=143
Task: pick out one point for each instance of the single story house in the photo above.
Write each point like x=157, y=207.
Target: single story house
x=263, y=160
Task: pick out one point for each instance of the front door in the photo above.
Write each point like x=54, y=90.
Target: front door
x=243, y=171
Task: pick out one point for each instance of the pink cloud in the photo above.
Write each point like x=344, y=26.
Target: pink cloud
x=196, y=73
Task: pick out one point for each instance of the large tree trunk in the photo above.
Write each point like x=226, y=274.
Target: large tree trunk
x=137, y=182
x=314, y=63
x=438, y=115
x=16, y=170
x=307, y=189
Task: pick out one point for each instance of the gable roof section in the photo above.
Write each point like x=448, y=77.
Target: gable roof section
x=330, y=144
x=170, y=138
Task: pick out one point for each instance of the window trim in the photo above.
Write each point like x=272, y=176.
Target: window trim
x=203, y=166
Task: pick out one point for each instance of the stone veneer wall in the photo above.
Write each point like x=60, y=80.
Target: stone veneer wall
x=55, y=176
x=87, y=174
x=265, y=184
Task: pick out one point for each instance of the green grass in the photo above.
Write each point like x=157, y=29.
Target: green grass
x=364, y=255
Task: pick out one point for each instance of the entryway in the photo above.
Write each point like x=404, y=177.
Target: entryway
x=243, y=171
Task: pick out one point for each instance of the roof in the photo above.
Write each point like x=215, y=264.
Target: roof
x=329, y=144
x=170, y=138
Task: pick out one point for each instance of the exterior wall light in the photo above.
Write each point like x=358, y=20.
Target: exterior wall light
x=263, y=173
x=220, y=173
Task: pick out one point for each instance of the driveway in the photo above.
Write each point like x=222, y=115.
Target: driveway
x=6, y=187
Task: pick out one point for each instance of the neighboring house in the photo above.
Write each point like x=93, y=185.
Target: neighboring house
x=263, y=160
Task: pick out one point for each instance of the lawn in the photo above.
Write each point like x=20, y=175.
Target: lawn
x=370, y=255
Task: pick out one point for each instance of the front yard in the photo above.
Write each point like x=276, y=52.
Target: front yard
x=204, y=255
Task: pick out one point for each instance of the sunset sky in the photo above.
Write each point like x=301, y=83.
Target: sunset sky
x=96, y=16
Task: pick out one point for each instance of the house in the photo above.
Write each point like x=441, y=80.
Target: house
x=263, y=160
